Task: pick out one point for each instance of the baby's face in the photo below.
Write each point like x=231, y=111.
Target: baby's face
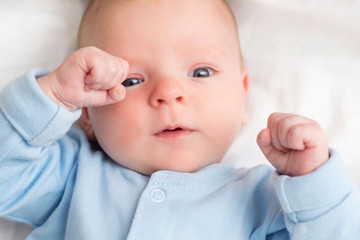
x=186, y=91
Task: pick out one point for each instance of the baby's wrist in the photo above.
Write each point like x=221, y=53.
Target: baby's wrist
x=48, y=86
x=310, y=166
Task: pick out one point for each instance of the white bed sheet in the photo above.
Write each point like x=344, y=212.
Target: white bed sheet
x=303, y=57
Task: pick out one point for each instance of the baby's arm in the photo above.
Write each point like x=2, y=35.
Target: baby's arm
x=317, y=198
x=37, y=153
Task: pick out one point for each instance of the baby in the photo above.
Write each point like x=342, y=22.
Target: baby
x=161, y=87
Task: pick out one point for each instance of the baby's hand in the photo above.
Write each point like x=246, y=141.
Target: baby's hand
x=88, y=77
x=294, y=145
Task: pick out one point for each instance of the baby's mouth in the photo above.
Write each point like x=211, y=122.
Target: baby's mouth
x=173, y=132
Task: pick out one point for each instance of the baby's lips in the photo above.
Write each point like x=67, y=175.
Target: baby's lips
x=173, y=131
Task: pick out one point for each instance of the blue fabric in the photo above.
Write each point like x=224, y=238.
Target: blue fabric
x=52, y=180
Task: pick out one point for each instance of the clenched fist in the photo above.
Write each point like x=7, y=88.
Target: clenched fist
x=88, y=77
x=294, y=145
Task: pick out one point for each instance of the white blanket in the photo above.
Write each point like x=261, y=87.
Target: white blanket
x=303, y=57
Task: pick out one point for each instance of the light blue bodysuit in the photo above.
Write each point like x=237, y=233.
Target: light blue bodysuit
x=52, y=180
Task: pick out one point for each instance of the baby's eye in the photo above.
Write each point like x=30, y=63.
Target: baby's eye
x=201, y=72
x=131, y=81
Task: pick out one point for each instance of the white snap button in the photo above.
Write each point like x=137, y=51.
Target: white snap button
x=157, y=195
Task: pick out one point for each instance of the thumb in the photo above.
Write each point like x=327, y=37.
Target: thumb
x=116, y=94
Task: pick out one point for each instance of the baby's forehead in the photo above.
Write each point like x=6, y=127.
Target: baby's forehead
x=101, y=14
x=99, y=7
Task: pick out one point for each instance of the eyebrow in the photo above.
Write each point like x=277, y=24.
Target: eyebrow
x=210, y=50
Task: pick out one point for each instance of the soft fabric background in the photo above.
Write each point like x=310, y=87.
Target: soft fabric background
x=303, y=57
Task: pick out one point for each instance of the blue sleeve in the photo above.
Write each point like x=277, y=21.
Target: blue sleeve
x=36, y=156
x=324, y=204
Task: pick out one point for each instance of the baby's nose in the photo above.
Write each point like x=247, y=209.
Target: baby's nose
x=167, y=91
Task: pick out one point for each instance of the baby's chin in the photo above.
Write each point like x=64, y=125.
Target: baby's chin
x=179, y=167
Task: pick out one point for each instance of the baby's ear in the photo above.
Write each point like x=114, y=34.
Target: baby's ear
x=86, y=125
x=245, y=81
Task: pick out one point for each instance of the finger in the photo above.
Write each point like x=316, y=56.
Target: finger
x=105, y=78
x=116, y=94
x=306, y=135
x=104, y=69
x=273, y=125
x=272, y=154
x=264, y=142
x=290, y=131
x=96, y=98
x=93, y=86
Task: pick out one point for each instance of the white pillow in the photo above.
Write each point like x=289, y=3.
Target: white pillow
x=303, y=57
x=37, y=33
